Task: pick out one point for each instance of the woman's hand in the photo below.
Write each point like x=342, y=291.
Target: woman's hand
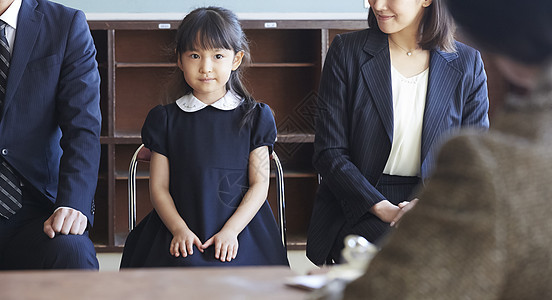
x=405, y=207
x=226, y=245
x=183, y=241
x=385, y=210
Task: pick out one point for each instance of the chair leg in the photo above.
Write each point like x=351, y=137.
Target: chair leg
x=132, y=189
x=280, y=195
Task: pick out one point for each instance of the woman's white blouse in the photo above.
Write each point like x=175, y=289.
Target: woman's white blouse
x=409, y=97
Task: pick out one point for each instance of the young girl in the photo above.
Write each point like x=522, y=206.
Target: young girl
x=210, y=159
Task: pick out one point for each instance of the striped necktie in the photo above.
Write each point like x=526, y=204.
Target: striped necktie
x=10, y=191
x=4, y=62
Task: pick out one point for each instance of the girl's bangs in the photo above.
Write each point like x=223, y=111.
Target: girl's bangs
x=207, y=36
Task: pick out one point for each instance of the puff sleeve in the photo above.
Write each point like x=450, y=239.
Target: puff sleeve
x=154, y=131
x=263, y=132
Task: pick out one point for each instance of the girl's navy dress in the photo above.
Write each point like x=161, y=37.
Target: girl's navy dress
x=208, y=152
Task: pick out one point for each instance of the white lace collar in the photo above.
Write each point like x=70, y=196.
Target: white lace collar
x=189, y=103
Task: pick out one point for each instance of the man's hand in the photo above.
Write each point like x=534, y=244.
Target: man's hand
x=65, y=220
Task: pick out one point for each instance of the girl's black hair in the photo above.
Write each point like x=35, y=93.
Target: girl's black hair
x=436, y=28
x=212, y=28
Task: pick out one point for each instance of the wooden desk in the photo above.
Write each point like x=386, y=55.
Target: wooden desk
x=151, y=284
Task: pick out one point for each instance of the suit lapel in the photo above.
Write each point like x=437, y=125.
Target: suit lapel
x=28, y=26
x=443, y=80
x=377, y=76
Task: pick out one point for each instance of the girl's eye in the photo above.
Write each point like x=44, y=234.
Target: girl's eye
x=194, y=56
x=218, y=56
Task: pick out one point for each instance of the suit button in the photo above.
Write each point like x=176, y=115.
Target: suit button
x=4, y=151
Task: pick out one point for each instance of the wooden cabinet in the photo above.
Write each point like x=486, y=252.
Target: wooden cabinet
x=135, y=59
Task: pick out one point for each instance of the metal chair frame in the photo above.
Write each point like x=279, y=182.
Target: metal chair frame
x=143, y=154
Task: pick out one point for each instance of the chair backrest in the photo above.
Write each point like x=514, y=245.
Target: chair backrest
x=143, y=154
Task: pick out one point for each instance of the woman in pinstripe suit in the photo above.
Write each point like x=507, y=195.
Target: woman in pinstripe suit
x=388, y=95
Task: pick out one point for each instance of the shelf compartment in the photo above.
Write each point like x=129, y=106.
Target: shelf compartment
x=143, y=207
x=282, y=138
x=104, y=101
x=99, y=233
x=100, y=42
x=137, y=92
x=295, y=138
x=296, y=156
x=144, y=45
x=285, y=46
x=123, y=154
x=293, y=97
x=282, y=65
x=299, y=194
x=145, y=65
x=290, y=92
x=122, y=139
x=173, y=65
x=145, y=175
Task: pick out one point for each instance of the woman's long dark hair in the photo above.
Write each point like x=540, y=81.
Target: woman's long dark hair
x=436, y=28
x=212, y=28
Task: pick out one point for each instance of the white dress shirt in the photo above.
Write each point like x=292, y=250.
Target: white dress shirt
x=10, y=17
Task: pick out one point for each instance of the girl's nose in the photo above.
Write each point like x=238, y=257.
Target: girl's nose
x=206, y=67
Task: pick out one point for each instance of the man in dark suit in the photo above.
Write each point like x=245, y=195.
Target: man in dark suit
x=49, y=136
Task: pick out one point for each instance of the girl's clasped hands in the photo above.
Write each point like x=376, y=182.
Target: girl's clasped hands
x=225, y=243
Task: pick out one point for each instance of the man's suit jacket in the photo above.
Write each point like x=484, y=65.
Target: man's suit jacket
x=354, y=127
x=482, y=228
x=50, y=126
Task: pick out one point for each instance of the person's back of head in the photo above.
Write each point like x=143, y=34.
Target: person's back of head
x=521, y=30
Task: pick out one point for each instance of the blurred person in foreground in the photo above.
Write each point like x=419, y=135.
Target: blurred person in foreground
x=482, y=227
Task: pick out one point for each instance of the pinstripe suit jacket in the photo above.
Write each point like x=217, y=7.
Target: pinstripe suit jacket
x=354, y=127
x=50, y=128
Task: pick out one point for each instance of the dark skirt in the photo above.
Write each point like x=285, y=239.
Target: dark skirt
x=396, y=189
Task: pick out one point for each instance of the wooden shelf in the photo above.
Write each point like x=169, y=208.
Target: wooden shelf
x=295, y=243
x=153, y=25
x=252, y=65
x=121, y=140
x=282, y=65
x=296, y=138
x=135, y=61
x=144, y=175
x=145, y=65
x=137, y=139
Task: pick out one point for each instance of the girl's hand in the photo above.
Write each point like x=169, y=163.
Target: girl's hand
x=385, y=210
x=183, y=242
x=226, y=245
